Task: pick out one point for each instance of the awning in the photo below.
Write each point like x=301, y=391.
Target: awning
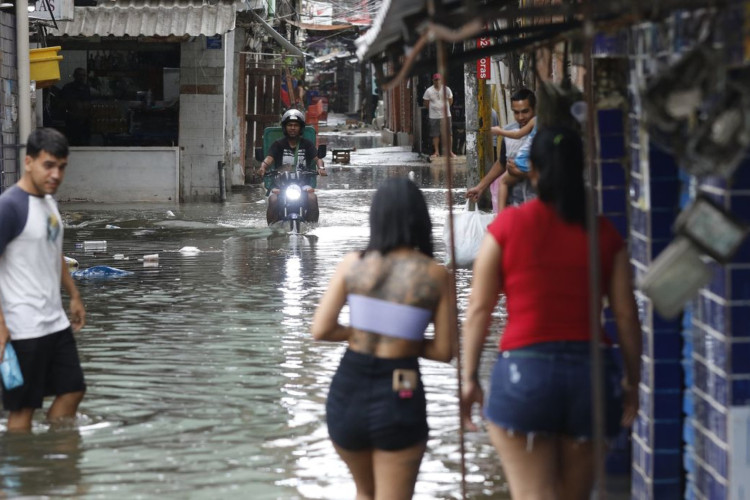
x=150, y=20
x=388, y=27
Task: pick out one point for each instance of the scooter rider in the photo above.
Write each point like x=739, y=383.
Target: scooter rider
x=296, y=152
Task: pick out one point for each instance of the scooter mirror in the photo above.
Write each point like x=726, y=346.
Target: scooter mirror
x=322, y=150
x=259, y=154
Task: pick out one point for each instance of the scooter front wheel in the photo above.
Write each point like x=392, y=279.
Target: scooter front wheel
x=294, y=225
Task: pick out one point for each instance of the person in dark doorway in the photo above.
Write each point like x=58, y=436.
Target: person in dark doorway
x=294, y=152
x=434, y=101
x=523, y=105
x=32, y=268
x=376, y=408
x=76, y=97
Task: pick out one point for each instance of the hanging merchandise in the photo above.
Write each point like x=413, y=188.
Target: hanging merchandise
x=556, y=105
x=718, y=144
x=673, y=99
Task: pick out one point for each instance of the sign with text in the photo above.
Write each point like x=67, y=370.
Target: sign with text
x=62, y=10
x=483, y=64
x=213, y=42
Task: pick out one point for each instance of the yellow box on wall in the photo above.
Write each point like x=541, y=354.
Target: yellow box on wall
x=45, y=66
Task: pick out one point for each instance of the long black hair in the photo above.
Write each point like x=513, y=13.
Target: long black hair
x=557, y=156
x=399, y=218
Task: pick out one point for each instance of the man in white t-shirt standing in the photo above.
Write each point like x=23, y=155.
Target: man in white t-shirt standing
x=32, y=269
x=434, y=101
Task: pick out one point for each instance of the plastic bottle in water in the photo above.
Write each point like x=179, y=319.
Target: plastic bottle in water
x=90, y=245
x=10, y=370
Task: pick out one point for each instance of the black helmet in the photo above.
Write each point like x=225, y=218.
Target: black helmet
x=293, y=115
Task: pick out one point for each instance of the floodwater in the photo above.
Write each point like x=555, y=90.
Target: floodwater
x=203, y=381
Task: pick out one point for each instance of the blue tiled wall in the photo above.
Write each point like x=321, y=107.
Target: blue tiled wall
x=613, y=203
x=719, y=355
x=654, y=191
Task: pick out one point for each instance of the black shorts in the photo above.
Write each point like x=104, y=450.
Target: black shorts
x=363, y=411
x=50, y=367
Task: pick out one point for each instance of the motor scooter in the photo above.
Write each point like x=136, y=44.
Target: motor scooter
x=292, y=198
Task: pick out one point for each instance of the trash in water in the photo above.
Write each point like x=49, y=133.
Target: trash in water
x=170, y=213
x=150, y=263
x=100, y=272
x=151, y=257
x=90, y=245
x=111, y=226
x=119, y=256
x=190, y=250
x=71, y=263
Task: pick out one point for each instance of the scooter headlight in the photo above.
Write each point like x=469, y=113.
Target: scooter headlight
x=293, y=192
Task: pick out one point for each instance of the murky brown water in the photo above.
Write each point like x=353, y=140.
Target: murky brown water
x=203, y=379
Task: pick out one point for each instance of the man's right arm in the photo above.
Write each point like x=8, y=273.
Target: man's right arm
x=265, y=165
x=495, y=172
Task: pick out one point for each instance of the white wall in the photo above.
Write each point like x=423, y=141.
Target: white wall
x=201, y=119
x=235, y=163
x=118, y=174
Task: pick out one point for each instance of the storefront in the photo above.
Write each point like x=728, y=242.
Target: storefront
x=148, y=99
x=121, y=92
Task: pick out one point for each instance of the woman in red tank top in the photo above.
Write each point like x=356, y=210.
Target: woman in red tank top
x=539, y=408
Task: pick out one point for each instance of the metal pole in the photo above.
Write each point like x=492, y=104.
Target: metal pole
x=445, y=132
x=597, y=371
x=24, y=78
x=222, y=182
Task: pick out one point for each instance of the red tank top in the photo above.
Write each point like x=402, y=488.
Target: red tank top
x=545, y=273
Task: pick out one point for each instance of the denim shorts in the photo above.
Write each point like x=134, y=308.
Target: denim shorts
x=363, y=411
x=546, y=389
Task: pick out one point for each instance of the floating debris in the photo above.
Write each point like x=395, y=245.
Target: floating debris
x=100, y=272
x=190, y=250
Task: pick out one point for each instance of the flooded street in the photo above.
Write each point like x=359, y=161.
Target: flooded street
x=203, y=380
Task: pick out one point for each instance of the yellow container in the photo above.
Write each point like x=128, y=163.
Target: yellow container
x=45, y=66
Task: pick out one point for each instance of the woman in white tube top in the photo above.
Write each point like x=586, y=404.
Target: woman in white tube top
x=376, y=404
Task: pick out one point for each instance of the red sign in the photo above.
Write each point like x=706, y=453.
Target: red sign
x=483, y=64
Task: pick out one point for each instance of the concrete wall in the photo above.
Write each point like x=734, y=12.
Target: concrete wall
x=8, y=100
x=234, y=159
x=114, y=175
x=202, y=106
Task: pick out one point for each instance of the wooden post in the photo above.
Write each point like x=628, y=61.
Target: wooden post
x=484, y=138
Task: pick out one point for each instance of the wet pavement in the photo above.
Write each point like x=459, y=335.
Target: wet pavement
x=203, y=381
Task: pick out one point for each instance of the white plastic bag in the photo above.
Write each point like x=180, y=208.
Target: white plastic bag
x=469, y=226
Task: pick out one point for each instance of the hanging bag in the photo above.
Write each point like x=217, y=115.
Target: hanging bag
x=469, y=226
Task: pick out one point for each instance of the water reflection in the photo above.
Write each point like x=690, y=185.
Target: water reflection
x=45, y=463
x=203, y=380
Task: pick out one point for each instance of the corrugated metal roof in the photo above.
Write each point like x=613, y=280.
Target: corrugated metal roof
x=144, y=18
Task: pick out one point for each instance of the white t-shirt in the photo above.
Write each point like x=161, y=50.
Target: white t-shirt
x=435, y=97
x=31, y=237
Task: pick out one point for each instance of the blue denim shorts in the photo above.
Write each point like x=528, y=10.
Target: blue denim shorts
x=546, y=389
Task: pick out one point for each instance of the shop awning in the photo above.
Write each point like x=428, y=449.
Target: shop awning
x=150, y=19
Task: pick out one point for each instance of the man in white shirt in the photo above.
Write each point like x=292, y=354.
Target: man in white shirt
x=32, y=269
x=435, y=102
